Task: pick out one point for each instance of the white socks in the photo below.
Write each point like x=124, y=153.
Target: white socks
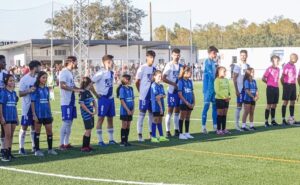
x=140, y=122
x=111, y=134
x=99, y=134
x=237, y=116
x=22, y=135
x=65, y=132
x=32, y=137
x=168, y=121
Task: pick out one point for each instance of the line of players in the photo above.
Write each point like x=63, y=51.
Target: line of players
x=36, y=108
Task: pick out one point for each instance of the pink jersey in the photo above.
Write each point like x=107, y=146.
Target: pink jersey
x=272, y=76
x=290, y=73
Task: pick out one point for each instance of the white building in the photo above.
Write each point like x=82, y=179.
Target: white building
x=258, y=58
x=21, y=53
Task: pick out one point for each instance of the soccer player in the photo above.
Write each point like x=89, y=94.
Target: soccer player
x=288, y=80
x=8, y=115
x=250, y=98
x=222, y=89
x=126, y=95
x=41, y=110
x=67, y=101
x=271, y=78
x=238, y=81
x=104, y=80
x=170, y=76
x=157, y=106
x=187, y=101
x=143, y=85
x=88, y=109
x=25, y=89
x=208, y=87
x=3, y=73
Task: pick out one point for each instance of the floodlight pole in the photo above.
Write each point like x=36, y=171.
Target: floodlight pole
x=81, y=34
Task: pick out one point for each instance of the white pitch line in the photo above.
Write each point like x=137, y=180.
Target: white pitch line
x=81, y=178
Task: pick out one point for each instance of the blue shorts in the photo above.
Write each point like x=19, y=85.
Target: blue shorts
x=145, y=105
x=28, y=119
x=106, y=107
x=209, y=97
x=240, y=99
x=173, y=100
x=68, y=112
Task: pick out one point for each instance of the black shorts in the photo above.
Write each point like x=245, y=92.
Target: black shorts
x=89, y=124
x=289, y=92
x=11, y=123
x=45, y=121
x=157, y=114
x=126, y=117
x=250, y=102
x=222, y=104
x=272, y=95
x=184, y=107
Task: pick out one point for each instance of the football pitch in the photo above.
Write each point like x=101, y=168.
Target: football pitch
x=266, y=156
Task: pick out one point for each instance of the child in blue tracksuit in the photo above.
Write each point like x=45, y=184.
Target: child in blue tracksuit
x=158, y=108
x=208, y=87
x=126, y=95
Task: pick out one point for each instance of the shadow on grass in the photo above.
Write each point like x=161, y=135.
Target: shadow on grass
x=136, y=146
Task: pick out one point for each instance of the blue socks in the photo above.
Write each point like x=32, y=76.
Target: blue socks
x=214, y=113
x=153, y=130
x=159, y=127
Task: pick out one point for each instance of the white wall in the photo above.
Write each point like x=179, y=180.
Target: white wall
x=258, y=58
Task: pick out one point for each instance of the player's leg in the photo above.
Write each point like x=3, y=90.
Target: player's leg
x=2, y=140
x=293, y=97
x=162, y=138
x=127, y=131
x=171, y=104
x=274, y=106
x=285, y=98
x=13, y=128
x=49, y=133
x=38, y=126
x=176, y=119
x=219, y=118
x=7, y=130
x=154, y=139
x=238, y=109
x=267, y=114
x=224, y=120
x=187, y=124
x=214, y=111
x=123, y=132
x=251, y=116
x=150, y=118
x=102, y=110
x=110, y=124
x=207, y=98
x=22, y=135
x=140, y=121
x=183, y=113
x=245, y=116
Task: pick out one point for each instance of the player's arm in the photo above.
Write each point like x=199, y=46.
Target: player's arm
x=298, y=80
x=125, y=107
x=95, y=106
x=26, y=92
x=235, y=76
x=158, y=97
x=93, y=90
x=1, y=115
x=82, y=105
x=33, y=111
x=64, y=86
x=137, y=84
x=168, y=81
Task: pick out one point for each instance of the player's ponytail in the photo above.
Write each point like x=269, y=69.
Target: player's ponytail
x=123, y=82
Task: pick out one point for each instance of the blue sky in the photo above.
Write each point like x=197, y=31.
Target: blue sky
x=29, y=22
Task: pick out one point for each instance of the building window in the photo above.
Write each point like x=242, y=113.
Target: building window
x=60, y=52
